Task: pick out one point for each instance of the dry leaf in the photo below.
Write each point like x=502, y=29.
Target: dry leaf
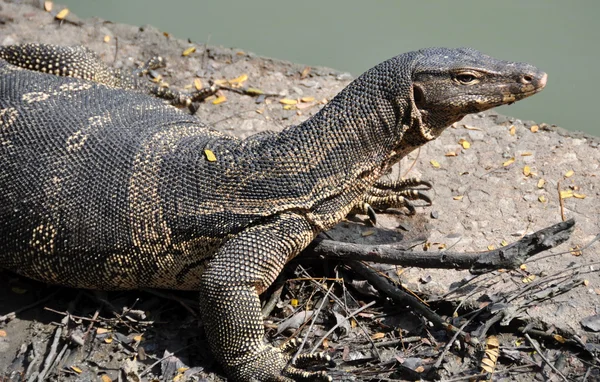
x=48, y=6
x=491, y=247
x=528, y=279
x=458, y=197
x=504, y=243
x=189, y=51
x=367, y=233
x=210, y=156
x=2, y=333
x=526, y=154
x=62, y=14
x=307, y=99
x=183, y=369
x=526, y=171
x=18, y=290
x=76, y=369
x=305, y=72
x=105, y=378
x=435, y=163
x=108, y=340
x=578, y=196
x=512, y=130
x=197, y=83
x=137, y=338
x=576, y=251
x=523, y=267
x=542, y=198
x=569, y=173
x=287, y=101
x=450, y=154
x=559, y=338
x=534, y=128
x=254, y=91
x=541, y=183
x=377, y=336
x=220, y=99
x=464, y=143
x=509, y=162
x=101, y=331
x=106, y=38
x=472, y=128
x=566, y=194
x=239, y=80
x=289, y=107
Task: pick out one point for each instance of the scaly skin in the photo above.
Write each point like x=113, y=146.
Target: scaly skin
x=109, y=188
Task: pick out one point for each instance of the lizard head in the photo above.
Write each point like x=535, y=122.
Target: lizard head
x=448, y=84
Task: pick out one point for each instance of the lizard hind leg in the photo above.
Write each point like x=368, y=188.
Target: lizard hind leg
x=243, y=268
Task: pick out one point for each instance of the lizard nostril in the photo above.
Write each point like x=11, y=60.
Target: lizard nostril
x=526, y=79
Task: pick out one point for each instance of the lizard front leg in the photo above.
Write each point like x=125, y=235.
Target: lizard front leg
x=242, y=269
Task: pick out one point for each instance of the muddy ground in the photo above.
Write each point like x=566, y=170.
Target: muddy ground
x=500, y=186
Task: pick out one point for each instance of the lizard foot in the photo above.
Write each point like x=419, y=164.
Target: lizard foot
x=273, y=364
x=393, y=194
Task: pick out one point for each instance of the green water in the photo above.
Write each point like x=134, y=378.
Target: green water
x=561, y=37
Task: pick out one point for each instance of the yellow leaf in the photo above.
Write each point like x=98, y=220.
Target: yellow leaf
x=523, y=267
x=325, y=343
x=576, y=251
x=220, y=82
x=503, y=243
x=137, y=338
x=105, y=378
x=287, y=101
x=108, y=340
x=254, y=91
x=435, y=163
x=458, y=197
x=239, y=80
x=62, y=14
x=541, y=183
x=441, y=246
x=464, y=143
x=569, y=173
x=106, y=38
x=220, y=99
x=2, y=333
x=289, y=107
x=189, y=51
x=450, y=154
x=76, y=369
x=491, y=247
x=197, y=83
x=307, y=99
x=294, y=302
x=210, y=156
x=182, y=369
x=534, y=128
x=578, y=196
x=101, y=331
x=526, y=154
x=509, y=162
x=528, y=279
x=377, y=336
x=512, y=130
x=471, y=128
x=526, y=171
x=47, y=6
x=559, y=338
x=260, y=111
x=566, y=194
x=542, y=198
x=367, y=233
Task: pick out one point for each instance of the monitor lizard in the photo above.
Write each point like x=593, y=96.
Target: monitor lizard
x=103, y=186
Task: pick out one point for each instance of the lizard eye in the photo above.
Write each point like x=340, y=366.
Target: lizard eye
x=465, y=78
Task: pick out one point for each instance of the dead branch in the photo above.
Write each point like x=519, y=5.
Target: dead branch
x=508, y=257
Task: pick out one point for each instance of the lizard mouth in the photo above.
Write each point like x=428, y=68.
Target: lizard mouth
x=528, y=86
